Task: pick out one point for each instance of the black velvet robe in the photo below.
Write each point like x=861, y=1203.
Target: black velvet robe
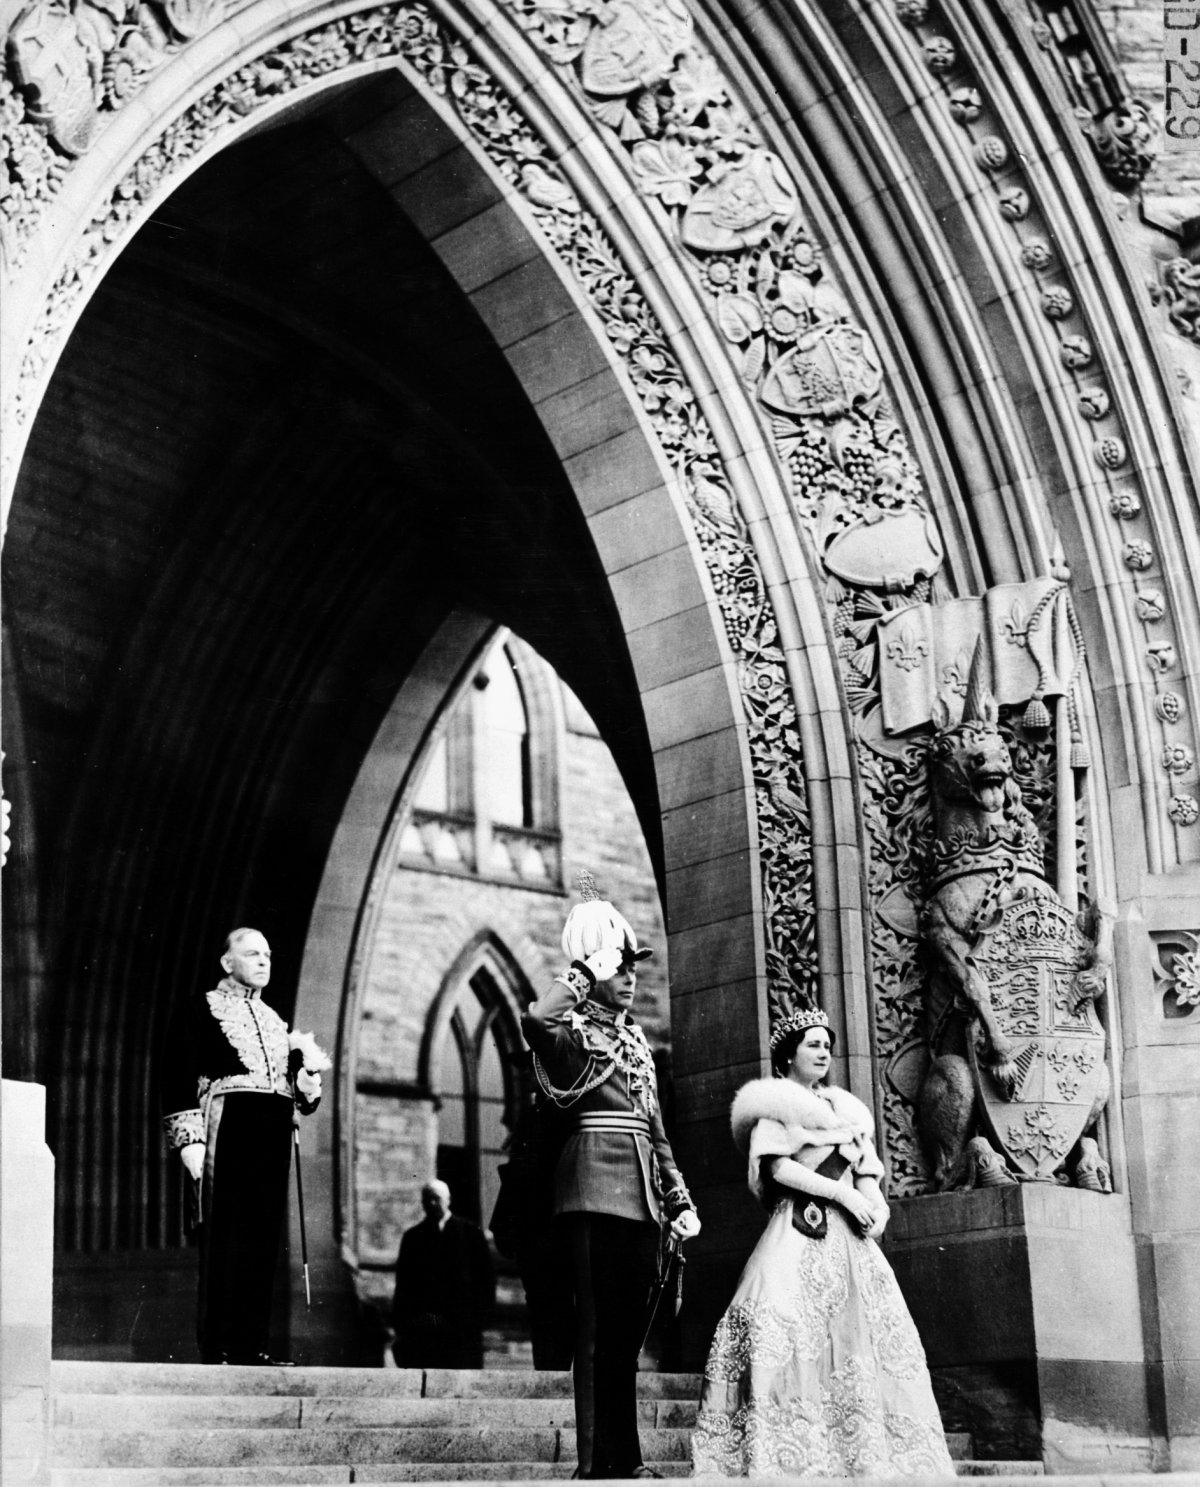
x=225, y=1082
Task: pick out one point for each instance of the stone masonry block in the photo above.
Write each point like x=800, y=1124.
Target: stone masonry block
x=486, y=247
x=556, y=356
x=675, y=646
x=690, y=707
x=646, y=524
x=660, y=586
x=523, y=300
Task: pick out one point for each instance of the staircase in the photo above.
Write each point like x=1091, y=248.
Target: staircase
x=154, y=1425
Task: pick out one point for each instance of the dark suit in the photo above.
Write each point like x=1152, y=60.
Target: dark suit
x=616, y=1179
x=445, y=1287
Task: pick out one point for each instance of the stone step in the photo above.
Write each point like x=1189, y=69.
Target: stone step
x=332, y=1447
x=319, y=1476
x=1015, y=1473
x=1006, y=1469
x=69, y=1377
x=124, y=1412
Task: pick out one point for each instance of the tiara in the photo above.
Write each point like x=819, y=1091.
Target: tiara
x=797, y=1022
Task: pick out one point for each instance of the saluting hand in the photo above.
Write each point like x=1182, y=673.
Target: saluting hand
x=604, y=964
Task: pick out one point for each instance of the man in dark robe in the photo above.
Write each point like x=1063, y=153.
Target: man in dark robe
x=445, y=1288
x=231, y=1085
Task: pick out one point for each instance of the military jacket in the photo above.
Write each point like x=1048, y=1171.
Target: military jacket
x=594, y=1061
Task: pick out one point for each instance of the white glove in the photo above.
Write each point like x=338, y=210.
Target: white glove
x=192, y=1157
x=604, y=964
x=687, y=1225
x=309, y=1085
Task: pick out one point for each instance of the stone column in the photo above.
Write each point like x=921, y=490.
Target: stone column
x=1158, y=966
x=26, y=1270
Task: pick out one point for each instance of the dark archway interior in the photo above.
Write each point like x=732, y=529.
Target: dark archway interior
x=279, y=450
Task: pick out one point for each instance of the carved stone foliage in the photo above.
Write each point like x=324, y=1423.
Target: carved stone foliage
x=1177, y=973
x=69, y=63
x=819, y=383
x=449, y=68
x=733, y=208
x=1125, y=142
x=1121, y=131
x=1179, y=291
x=736, y=214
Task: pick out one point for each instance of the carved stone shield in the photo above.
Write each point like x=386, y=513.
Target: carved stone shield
x=831, y=368
x=634, y=45
x=50, y=65
x=1031, y=959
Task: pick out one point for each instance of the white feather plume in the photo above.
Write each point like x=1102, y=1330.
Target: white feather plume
x=593, y=926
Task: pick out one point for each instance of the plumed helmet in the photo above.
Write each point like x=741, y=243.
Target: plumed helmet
x=595, y=925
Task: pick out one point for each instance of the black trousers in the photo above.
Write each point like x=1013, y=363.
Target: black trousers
x=243, y=1205
x=614, y=1262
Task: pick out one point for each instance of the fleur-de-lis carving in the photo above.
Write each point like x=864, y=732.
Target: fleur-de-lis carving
x=907, y=650
x=1016, y=626
x=956, y=672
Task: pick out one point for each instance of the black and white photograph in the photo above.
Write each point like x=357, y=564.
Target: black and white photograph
x=600, y=674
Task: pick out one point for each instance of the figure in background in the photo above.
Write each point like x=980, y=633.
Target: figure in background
x=232, y=1081
x=816, y=1369
x=616, y=1178
x=445, y=1288
x=524, y=1231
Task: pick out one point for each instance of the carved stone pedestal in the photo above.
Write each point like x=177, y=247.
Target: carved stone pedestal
x=1027, y=1301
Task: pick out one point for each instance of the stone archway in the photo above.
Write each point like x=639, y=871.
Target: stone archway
x=963, y=223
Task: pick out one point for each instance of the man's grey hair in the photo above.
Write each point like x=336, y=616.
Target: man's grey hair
x=436, y=1185
x=235, y=935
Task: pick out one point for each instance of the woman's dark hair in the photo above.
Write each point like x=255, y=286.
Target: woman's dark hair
x=785, y=1049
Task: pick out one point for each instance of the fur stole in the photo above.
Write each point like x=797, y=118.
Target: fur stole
x=833, y=1118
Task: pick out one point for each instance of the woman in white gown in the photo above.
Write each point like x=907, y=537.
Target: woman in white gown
x=816, y=1368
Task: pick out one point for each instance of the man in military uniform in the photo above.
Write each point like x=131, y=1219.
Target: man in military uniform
x=231, y=1084
x=616, y=1178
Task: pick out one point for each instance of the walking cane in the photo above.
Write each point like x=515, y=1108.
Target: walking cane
x=300, y=1201
x=674, y=1252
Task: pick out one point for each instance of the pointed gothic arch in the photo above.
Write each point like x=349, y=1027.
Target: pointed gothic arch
x=966, y=224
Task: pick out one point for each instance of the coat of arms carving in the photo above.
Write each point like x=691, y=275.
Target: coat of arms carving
x=1017, y=1073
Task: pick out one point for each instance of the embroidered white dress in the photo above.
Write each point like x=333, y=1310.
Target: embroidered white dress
x=816, y=1368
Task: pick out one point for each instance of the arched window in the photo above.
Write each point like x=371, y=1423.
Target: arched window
x=487, y=800
x=478, y=1086
x=504, y=762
